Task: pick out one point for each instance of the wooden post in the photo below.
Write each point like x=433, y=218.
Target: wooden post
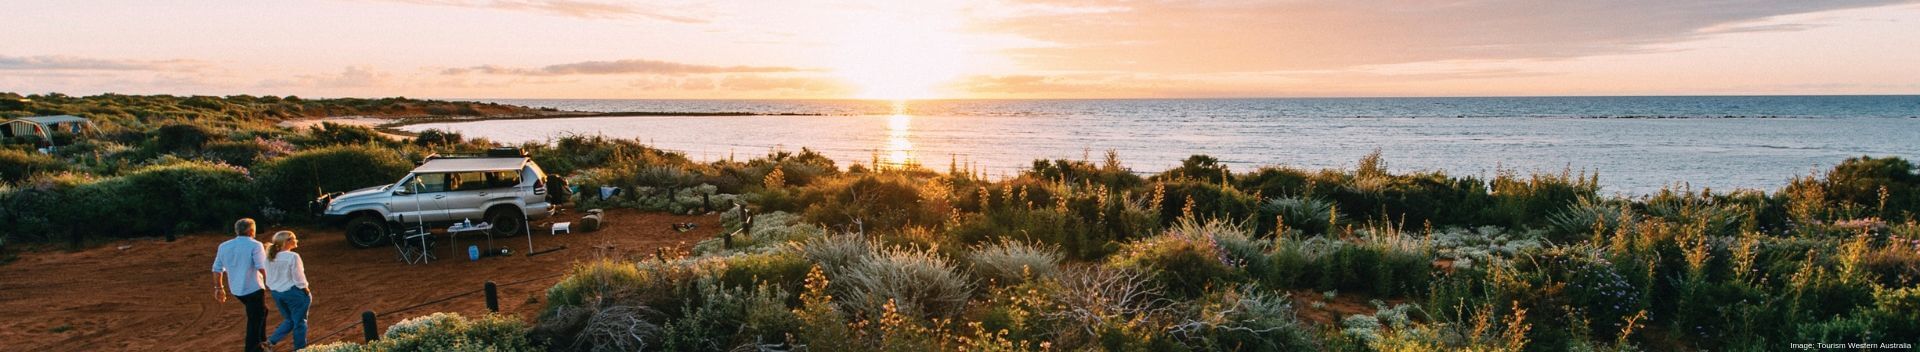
x=493, y=297
x=369, y=326
x=746, y=221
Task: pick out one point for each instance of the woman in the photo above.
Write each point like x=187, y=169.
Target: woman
x=287, y=277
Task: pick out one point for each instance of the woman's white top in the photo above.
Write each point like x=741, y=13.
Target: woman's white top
x=286, y=271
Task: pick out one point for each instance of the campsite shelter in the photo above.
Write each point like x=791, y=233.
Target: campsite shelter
x=45, y=126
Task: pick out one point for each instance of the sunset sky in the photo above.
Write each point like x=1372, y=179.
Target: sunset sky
x=958, y=49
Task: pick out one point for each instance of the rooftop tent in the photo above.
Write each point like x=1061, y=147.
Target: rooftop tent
x=439, y=165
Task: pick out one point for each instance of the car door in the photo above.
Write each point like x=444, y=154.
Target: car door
x=468, y=193
x=421, y=201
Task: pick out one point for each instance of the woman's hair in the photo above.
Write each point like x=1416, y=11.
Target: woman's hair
x=279, y=243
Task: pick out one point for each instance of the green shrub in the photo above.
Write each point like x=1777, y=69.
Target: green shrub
x=601, y=326
x=436, y=137
x=1860, y=180
x=16, y=165
x=1109, y=174
x=1012, y=262
x=45, y=208
x=76, y=206
x=1187, y=258
x=1483, y=244
x=681, y=200
x=246, y=152
x=837, y=253
x=870, y=202
x=1208, y=200
x=917, y=283
x=1373, y=267
x=217, y=193
x=1430, y=197
x=1307, y=215
x=1083, y=222
x=1518, y=202
x=294, y=180
x=726, y=319
x=797, y=169
x=783, y=270
x=445, y=332
x=328, y=134
x=570, y=155
x=1291, y=262
x=771, y=231
x=1277, y=182
x=1096, y=305
x=651, y=283
x=182, y=137
x=1200, y=168
x=1378, y=262
x=1585, y=216
x=1243, y=319
x=1684, y=207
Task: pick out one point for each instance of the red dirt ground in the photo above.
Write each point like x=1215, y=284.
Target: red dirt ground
x=151, y=295
x=1341, y=306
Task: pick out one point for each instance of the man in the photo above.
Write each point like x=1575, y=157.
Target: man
x=240, y=269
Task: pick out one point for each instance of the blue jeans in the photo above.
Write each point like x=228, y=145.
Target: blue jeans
x=293, y=314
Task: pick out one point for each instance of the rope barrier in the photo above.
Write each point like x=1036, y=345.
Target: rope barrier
x=350, y=325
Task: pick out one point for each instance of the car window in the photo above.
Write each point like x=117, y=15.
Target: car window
x=503, y=179
x=468, y=181
x=428, y=183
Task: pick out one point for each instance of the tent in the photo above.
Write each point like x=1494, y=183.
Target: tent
x=45, y=126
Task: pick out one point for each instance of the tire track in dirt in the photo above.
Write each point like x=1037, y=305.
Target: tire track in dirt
x=158, y=296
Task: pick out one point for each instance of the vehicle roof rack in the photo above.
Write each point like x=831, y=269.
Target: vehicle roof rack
x=500, y=152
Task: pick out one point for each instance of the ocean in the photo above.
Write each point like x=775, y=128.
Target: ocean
x=1637, y=145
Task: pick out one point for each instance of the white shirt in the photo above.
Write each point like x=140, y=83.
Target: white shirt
x=286, y=271
x=241, y=258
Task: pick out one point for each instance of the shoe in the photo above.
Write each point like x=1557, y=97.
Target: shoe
x=268, y=347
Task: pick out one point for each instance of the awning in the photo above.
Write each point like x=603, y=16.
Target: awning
x=470, y=164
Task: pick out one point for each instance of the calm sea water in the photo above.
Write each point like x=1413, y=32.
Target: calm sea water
x=1636, y=144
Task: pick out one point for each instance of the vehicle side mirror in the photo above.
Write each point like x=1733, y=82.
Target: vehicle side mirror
x=402, y=192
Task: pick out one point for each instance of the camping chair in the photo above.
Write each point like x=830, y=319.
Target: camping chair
x=414, y=244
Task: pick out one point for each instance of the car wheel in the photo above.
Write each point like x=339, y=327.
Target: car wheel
x=366, y=232
x=507, y=221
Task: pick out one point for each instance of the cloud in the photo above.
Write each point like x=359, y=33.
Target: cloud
x=353, y=77
x=617, y=68
x=568, y=8
x=74, y=63
x=770, y=83
x=1241, y=36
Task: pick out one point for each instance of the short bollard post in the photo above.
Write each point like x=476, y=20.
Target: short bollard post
x=368, y=326
x=746, y=221
x=493, y=297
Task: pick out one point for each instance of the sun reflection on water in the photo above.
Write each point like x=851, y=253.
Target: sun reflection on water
x=899, y=145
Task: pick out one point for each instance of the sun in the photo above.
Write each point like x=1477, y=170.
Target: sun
x=896, y=59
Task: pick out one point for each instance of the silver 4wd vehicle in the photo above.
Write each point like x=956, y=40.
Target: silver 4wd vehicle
x=504, y=188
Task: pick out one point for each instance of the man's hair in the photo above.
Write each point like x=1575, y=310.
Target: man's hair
x=244, y=227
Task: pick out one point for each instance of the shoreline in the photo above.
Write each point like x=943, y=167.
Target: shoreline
x=390, y=125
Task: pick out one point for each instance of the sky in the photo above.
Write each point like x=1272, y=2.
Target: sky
x=958, y=49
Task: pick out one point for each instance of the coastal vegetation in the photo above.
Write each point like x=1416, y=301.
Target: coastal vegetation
x=1068, y=255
